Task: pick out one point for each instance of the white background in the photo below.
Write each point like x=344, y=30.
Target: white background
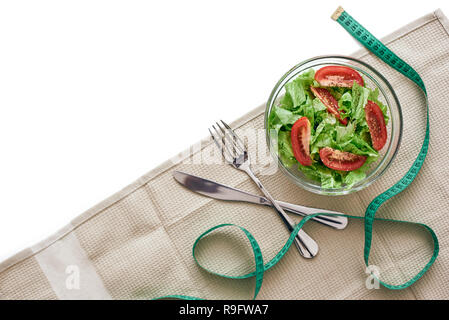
x=93, y=94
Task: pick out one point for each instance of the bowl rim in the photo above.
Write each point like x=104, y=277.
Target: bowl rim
x=341, y=191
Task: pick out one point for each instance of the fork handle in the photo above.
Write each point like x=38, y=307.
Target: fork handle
x=306, y=246
x=337, y=222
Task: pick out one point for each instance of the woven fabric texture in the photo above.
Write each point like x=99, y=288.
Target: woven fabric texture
x=140, y=240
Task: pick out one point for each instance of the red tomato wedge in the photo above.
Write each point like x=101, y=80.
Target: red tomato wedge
x=329, y=101
x=338, y=76
x=300, y=136
x=340, y=160
x=376, y=124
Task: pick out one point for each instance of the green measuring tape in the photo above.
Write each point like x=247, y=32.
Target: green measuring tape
x=385, y=54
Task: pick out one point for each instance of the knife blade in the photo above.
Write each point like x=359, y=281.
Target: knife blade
x=220, y=191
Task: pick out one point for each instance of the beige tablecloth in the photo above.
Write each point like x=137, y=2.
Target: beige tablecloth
x=137, y=243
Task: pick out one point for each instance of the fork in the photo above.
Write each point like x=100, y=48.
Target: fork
x=234, y=152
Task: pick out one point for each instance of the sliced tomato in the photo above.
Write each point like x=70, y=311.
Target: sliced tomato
x=338, y=76
x=329, y=101
x=340, y=160
x=300, y=136
x=376, y=124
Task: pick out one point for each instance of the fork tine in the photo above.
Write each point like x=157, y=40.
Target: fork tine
x=242, y=144
x=222, y=146
x=217, y=143
x=228, y=142
x=227, y=133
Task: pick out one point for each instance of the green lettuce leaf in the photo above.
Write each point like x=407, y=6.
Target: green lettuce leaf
x=345, y=105
x=298, y=90
x=325, y=126
x=359, y=100
x=329, y=179
x=284, y=117
x=285, y=150
x=345, y=133
x=318, y=105
x=324, y=140
x=286, y=102
x=353, y=177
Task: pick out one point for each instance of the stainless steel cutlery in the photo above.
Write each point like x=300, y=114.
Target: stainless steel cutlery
x=235, y=153
x=219, y=191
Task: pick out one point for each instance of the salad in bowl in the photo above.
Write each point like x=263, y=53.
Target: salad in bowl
x=331, y=126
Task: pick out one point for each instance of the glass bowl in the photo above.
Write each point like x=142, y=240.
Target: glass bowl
x=387, y=96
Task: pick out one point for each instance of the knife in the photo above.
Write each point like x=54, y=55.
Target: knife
x=219, y=191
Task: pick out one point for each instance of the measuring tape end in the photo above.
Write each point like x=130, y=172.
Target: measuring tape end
x=337, y=13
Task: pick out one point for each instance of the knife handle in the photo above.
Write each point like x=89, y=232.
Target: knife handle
x=337, y=222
